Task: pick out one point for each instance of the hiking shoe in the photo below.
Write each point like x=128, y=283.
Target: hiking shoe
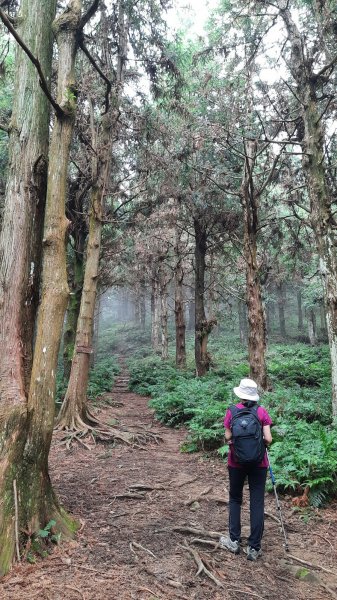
x=253, y=554
x=226, y=542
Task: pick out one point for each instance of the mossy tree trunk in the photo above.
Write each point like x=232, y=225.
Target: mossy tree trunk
x=74, y=414
x=312, y=331
x=163, y=294
x=281, y=303
x=257, y=334
x=155, y=312
x=300, y=325
x=76, y=285
x=179, y=308
x=27, y=383
x=54, y=291
x=203, y=327
x=309, y=91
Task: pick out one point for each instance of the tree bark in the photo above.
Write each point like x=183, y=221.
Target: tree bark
x=314, y=166
x=76, y=285
x=312, y=327
x=202, y=327
x=281, y=301
x=25, y=437
x=300, y=325
x=179, y=310
x=74, y=413
x=155, y=313
x=164, y=318
x=257, y=335
x=142, y=304
x=191, y=314
x=96, y=329
x=54, y=292
x=242, y=322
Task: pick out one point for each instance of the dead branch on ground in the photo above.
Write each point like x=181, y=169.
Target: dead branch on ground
x=309, y=564
x=201, y=565
x=140, y=547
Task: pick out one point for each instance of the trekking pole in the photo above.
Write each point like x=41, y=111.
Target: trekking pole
x=286, y=546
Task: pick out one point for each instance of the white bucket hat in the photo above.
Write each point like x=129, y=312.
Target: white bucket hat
x=247, y=390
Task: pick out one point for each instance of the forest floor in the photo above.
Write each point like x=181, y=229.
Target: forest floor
x=129, y=501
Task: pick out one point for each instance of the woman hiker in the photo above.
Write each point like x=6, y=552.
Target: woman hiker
x=240, y=466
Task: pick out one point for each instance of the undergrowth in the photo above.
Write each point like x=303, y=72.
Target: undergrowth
x=101, y=379
x=305, y=442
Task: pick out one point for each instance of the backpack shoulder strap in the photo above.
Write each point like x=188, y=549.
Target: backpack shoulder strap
x=234, y=410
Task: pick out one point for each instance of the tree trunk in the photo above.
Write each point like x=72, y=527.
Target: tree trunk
x=136, y=307
x=300, y=325
x=179, y=314
x=242, y=322
x=74, y=413
x=202, y=326
x=26, y=423
x=312, y=327
x=38, y=503
x=191, y=314
x=281, y=301
x=257, y=335
x=164, y=319
x=315, y=169
x=142, y=304
x=96, y=325
x=76, y=285
x=155, y=314
x=322, y=315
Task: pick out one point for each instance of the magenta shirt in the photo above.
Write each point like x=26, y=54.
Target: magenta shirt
x=265, y=420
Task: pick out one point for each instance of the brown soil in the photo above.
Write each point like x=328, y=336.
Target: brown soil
x=127, y=548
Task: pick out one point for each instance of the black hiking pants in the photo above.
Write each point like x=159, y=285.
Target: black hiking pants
x=256, y=481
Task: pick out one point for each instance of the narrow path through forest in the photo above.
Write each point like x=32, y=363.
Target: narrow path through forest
x=130, y=499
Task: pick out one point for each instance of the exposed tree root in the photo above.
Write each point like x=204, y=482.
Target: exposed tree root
x=205, y=542
x=309, y=564
x=140, y=547
x=78, y=428
x=144, y=486
x=201, y=564
x=199, y=497
x=204, y=532
x=139, y=496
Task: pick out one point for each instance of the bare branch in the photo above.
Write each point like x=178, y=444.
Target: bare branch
x=99, y=71
x=43, y=83
x=87, y=16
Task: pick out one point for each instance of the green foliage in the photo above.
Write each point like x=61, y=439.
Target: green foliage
x=306, y=456
x=299, y=364
x=41, y=542
x=101, y=379
x=151, y=376
x=304, y=449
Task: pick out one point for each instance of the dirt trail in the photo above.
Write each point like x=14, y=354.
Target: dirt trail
x=130, y=499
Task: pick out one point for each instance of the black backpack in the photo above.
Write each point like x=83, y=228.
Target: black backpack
x=247, y=435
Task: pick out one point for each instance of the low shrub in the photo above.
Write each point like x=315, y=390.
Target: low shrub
x=304, y=454
x=304, y=449
x=151, y=376
x=101, y=379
